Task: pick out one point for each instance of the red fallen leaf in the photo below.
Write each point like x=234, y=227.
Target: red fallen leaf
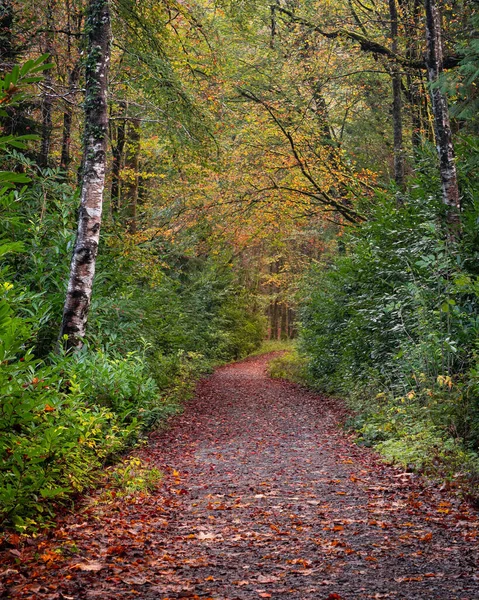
x=49, y=408
x=14, y=539
x=334, y=596
x=117, y=550
x=426, y=538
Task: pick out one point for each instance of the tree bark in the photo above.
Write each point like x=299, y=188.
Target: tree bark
x=283, y=333
x=397, y=101
x=132, y=159
x=117, y=152
x=47, y=100
x=82, y=270
x=445, y=148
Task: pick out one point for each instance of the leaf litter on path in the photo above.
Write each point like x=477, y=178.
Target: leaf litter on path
x=263, y=497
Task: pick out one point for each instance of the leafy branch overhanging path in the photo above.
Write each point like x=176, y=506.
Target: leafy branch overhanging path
x=263, y=498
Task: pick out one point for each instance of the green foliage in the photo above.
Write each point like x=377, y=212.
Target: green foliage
x=391, y=323
x=462, y=85
x=154, y=328
x=132, y=475
x=51, y=440
x=290, y=366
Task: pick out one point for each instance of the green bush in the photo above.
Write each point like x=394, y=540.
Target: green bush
x=391, y=322
x=51, y=440
x=290, y=366
x=160, y=317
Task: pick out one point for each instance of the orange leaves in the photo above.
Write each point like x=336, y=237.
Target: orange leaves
x=277, y=529
x=118, y=550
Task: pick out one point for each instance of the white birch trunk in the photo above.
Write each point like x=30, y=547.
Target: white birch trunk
x=82, y=270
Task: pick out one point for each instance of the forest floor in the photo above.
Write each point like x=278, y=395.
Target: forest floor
x=263, y=497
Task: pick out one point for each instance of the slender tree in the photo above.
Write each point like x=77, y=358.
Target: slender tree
x=445, y=148
x=118, y=140
x=47, y=100
x=397, y=101
x=130, y=191
x=82, y=270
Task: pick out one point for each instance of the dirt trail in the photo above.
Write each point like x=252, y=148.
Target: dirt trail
x=263, y=498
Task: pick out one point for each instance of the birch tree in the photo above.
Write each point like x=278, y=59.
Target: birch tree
x=442, y=126
x=82, y=270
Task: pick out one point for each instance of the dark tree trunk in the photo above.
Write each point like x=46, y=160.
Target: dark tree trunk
x=445, y=149
x=82, y=270
x=47, y=99
x=117, y=152
x=397, y=101
x=412, y=11
x=283, y=334
x=130, y=196
x=275, y=320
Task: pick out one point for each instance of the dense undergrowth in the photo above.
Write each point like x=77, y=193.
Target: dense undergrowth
x=154, y=328
x=390, y=322
x=160, y=318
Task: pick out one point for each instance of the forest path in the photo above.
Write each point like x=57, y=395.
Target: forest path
x=264, y=497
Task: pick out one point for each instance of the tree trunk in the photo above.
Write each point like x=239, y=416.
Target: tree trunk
x=117, y=152
x=130, y=196
x=47, y=100
x=397, y=102
x=82, y=270
x=445, y=149
x=275, y=320
x=283, y=334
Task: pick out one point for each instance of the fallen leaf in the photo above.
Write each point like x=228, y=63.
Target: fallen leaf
x=267, y=579
x=91, y=566
x=206, y=536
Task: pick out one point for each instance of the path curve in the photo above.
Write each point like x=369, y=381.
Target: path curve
x=264, y=497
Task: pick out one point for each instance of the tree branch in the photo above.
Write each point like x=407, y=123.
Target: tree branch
x=368, y=45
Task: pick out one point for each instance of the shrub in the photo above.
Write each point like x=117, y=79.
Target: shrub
x=390, y=322
x=51, y=441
